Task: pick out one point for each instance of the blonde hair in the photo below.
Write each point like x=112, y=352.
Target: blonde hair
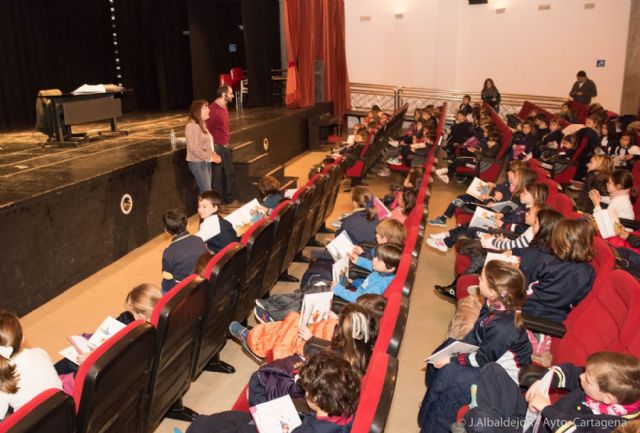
x=617, y=374
x=143, y=299
x=392, y=230
x=11, y=337
x=603, y=163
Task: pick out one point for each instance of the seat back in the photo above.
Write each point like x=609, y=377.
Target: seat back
x=223, y=271
x=339, y=175
x=51, y=411
x=257, y=242
x=236, y=74
x=225, y=80
x=302, y=199
x=392, y=325
x=177, y=318
x=320, y=183
x=376, y=393
x=282, y=218
x=610, y=321
x=561, y=202
x=111, y=386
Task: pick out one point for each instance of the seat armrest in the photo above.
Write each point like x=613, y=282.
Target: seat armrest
x=632, y=224
x=544, y=326
x=530, y=374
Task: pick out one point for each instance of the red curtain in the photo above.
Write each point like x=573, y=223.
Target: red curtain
x=315, y=30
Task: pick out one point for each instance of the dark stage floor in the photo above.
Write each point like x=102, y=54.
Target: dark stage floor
x=28, y=170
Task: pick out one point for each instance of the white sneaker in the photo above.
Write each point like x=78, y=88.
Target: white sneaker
x=443, y=177
x=438, y=244
x=440, y=236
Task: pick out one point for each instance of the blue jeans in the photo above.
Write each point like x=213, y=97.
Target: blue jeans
x=202, y=172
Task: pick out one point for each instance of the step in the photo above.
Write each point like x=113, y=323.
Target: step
x=242, y=151
x=254, y=165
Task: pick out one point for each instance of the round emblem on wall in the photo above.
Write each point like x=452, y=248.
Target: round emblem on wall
x=126, y=204
x=265, y=144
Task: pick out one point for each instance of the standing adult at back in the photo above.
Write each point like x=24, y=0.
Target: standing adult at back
x=218, y=125
x=583, y=89
x=491, y=95
x=200, y=154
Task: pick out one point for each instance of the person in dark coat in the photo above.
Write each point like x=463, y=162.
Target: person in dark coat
x=332, y=389
x=491, y=95
x=215, y=231
x=583, y=89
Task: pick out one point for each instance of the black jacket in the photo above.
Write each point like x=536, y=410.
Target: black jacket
x=588, y=90
x=225, y=237
x=359, y=228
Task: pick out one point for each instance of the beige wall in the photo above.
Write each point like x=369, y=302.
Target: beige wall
x=448, y=44
x=631, y=87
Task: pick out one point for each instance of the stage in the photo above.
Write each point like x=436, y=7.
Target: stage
x=67, y=212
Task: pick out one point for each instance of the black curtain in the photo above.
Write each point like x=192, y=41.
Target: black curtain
x=262, y=44
x=217, y=43
x=50, y=44
x=62, y=44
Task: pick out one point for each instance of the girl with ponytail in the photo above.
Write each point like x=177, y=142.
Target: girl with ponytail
x=24, y=372
x=500, y=337
x=360, y=225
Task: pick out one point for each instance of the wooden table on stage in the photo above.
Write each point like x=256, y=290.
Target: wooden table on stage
x=75, y=109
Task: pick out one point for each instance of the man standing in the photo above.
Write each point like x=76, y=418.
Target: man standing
x=583, y=90
x=218, y=126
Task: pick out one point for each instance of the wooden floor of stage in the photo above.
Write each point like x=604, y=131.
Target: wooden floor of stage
x=27, y=169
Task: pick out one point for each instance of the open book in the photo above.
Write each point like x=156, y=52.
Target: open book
x=532, y=418
x=288, y=193
x=514, y=260
x=244, y=217
x=315, y=307
x=607, y=221
x=483, y=218
x=454, y=349
x=381, y=209
x=276, y=416
x=340, y=247
x=107, y=329
x=340, y=271
x=478, y=188
x=90, y=88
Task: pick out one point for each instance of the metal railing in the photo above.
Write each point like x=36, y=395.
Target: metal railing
x=389, y=98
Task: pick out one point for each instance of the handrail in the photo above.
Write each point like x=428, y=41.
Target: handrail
x=364, y=95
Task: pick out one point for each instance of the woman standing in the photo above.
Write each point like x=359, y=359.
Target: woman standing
x=200, y=151
x=491, y=95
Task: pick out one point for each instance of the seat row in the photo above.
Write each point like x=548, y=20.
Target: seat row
x=374, y=145
x=139, y=376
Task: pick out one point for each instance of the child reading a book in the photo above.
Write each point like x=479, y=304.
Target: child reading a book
x=599, y=169
x=139, y=305
x=288, y=337
x=500, y=336
x=602, y=396
x=331, y=389
x=383, y=267
x=360, y=225
x=215, y=231
x=498, y=192
x=24, y=372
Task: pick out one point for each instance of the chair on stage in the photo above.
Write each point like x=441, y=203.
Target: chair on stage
x=240, y=84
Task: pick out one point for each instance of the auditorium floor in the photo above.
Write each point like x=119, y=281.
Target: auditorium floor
x=85, y=305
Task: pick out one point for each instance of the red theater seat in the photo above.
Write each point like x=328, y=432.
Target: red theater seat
x=51, y=411
x=224, y=272
x=257, y=242
x=282, y=218
x=112, y=385
x=177, y=318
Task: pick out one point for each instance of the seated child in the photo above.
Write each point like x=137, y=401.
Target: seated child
x=602, y=396
x=24, y=372
x=465, y=106
x=360, y=225
x=626, y=152
x=470, y=157
x=500, y=335
x=384, y=266
x=331, y=389
x=215, y=231
x=139, y=305
x=180, y=257
x=621, y=194
x=287, y=337
x=405, y=204
x=599, y=169
x=270, y=194
x=499, y=192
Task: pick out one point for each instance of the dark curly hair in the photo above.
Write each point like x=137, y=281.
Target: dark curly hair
x=331, y=383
